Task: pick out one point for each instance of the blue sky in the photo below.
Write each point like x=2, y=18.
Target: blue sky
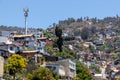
x=43, y=13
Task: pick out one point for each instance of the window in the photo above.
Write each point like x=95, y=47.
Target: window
x=11, y=48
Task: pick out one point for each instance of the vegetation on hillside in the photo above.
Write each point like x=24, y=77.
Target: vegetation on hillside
x=42, y=74
x=88, y=26
x=68, y=47
x=82, y=72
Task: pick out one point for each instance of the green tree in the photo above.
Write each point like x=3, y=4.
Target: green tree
x=82, y=72
x=58, y=32
x=54, y=42
x=77, y=78
x=93, y=29
x=42, y=74
x=47, y=34
x=85, y=33
x=60, y=43
x=96, y=68
x=50, y=49
x=80, y=19
x=92, y=49
x=16, y=64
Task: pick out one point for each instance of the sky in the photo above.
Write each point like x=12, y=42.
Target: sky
x=43, y=13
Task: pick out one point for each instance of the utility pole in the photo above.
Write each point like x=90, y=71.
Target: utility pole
x=26, y=10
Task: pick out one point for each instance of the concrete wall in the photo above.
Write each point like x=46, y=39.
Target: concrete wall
x=1, y=66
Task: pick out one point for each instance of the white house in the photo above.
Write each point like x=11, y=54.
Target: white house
x=6, y=47
x=56, y=67
x=70, y=68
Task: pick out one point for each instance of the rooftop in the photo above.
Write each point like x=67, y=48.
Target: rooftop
x=18, y=36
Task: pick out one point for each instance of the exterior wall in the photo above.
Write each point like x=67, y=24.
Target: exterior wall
x=4, y=40
x=28, y=54
x=4, y=33
x=40, y=61
x=42, y=43
x=9, y=48
x=70, y=68
x=5, y=50
x=4, y=47
x=4, y=54
x=37, y=57
x=12, y=49
x=61, y=71
x=58, y=68
x=31, y=44
x=38, y=35
x=1, y=66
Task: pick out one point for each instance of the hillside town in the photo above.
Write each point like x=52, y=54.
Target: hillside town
x=60, y=40
x=99, y=53
x=31, y=46
x=72, y=49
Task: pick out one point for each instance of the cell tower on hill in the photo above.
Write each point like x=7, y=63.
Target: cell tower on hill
x=26, y=10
